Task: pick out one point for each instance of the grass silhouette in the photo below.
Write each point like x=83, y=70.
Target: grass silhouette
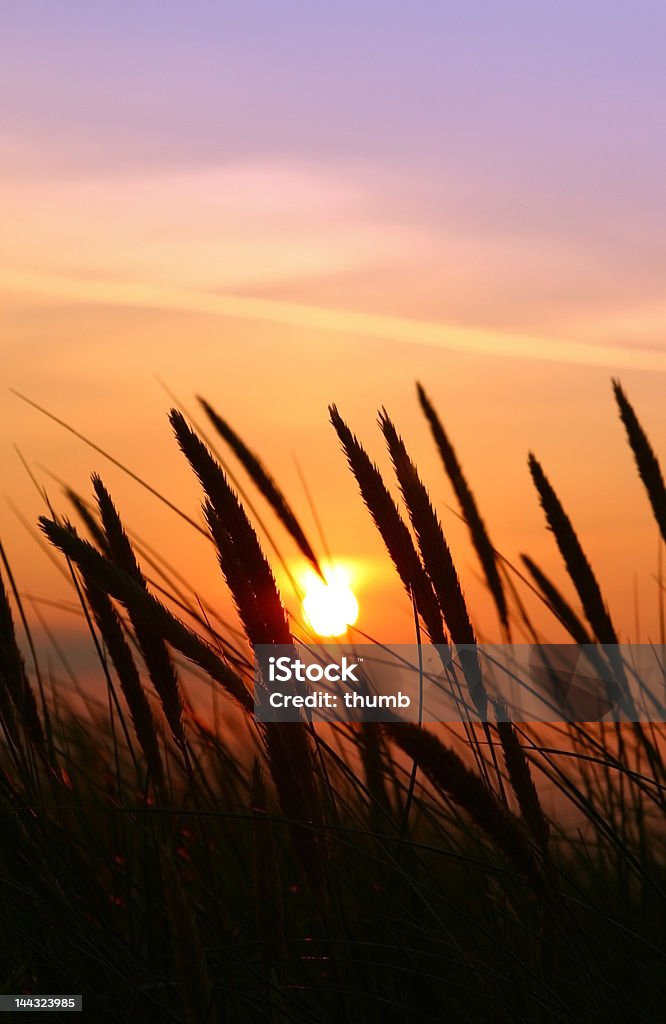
x=175, y=870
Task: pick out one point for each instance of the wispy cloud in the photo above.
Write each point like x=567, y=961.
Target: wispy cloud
x=345, y=322
x=200, y=240
x=229, y=227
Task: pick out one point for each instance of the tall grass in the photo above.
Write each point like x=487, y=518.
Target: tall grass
x=177, y=867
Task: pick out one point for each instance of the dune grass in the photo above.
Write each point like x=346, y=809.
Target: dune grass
x=176, y=868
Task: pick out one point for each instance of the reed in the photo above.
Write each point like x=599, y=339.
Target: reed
x=248, y=573
x=160, y=667
x=438, y=562
x=256, y=595
x=276, y=880
x=557, y=603
x=18, y=706
x=578, y=567
x=140, y=711
x=587, y=587
x=468, y=508
x=146, y=607
x=88, y=519
x=392, y=529
x=448, y=772
x=646, y=461
x=520, y=776
x=265, y=483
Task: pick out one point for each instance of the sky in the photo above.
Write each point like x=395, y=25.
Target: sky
x=283, y=205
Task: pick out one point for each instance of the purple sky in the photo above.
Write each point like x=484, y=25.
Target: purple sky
x=526, y=140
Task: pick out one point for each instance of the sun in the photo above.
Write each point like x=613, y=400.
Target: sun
x=330, y=607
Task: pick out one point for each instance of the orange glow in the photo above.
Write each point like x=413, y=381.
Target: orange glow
x=216, y=280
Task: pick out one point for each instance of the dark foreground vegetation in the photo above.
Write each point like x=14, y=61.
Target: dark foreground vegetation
x=177, y=869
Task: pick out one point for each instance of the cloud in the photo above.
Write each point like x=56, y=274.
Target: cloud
x=232, y=227
x=345, y=322
x=196, y=241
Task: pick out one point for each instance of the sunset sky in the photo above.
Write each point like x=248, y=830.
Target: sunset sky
x=281, y=205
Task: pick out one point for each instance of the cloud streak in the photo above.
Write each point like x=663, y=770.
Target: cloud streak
x=348, y=323
x=229, y=227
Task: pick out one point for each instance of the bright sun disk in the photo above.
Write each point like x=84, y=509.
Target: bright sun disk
x=331, y=607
